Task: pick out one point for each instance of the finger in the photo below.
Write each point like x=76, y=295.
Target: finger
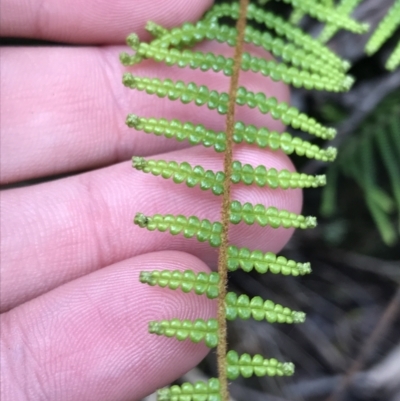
x=64, y=109
x=90, y=21
x=57, y=231
x=88, y=339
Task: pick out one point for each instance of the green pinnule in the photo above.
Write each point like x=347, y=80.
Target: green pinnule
x=269, y=216
x=208, y=179
x=263, y=262
x=385, y=29
x=305, y=71
x=201, y=283
x=243, y=307
x=199, y=391
x=196, y=331
x=394, y=59
x=247, y=366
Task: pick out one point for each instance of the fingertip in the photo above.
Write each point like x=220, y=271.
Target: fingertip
x=91, y=335
x=99, y=22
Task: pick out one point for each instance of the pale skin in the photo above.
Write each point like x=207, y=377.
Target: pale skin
x=74, y=321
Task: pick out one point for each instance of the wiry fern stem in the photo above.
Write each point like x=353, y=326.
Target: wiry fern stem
x=226, y=204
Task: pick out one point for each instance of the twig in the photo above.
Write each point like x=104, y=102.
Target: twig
x=382, y=326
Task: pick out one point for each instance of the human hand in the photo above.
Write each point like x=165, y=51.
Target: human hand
x=74, y=321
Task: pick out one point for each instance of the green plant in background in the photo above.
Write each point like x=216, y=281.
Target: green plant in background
x=302, y=62
x=371, y=158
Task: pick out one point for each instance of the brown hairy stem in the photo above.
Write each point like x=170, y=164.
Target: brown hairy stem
x=222, y=258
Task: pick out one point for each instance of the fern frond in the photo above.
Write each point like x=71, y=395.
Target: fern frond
x=208, y=179
x=394, y=59
x=197, y=330
x=199, y=391
x=243, y=307
x=303, y=62
x=247, y=366
x=201, y=283
x=249, y=134
x=282, y=28
x=297, y=14
x=329, y=15
x=201, y=95
x=382, y=33
x=385, y=29
x=204, y=230
x=263, y=262
x=320, y=77
x=345, y=7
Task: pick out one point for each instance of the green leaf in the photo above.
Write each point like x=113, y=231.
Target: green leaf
x=263, y=262
x=203, y=230
x=385, y=29
x=243, y=307
x=327, y=14
x=247, y=366
x=199, y=391
x=201, y=283
x=197, y=330
x=268, y=216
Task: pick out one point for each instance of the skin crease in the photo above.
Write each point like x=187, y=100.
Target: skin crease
x=74, y=321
